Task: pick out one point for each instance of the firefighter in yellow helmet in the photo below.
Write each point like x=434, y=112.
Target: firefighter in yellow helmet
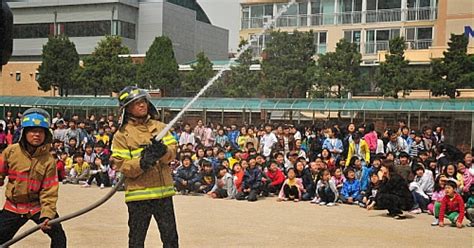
x=148, y=181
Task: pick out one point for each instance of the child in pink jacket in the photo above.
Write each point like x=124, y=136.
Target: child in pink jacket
x=292, y=188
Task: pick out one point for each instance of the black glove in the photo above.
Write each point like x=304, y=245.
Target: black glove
x=151, y=154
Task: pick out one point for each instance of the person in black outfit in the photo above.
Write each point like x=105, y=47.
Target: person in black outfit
x=393, y=193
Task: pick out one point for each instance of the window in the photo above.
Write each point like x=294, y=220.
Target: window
x=350, y=11
x=421, y=10
x=350, y=5
x=86, y=29
x=378, y=40
x=353, y=36
x=320, y=40
x=323, y=12
x=261, y=10
x=124, y=29
x=258, y=45
x=383, y=10
x=419, y=37
x=315, y=6
x=18, y=76
x=296, y=15
x=37, y=75
x=418, y=3
x=253, y=15
x=28, y=31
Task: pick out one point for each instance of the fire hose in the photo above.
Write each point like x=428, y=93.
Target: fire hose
x=163, y=132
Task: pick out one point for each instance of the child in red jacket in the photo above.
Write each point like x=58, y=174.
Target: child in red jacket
x=452, y=205
x=276, y=176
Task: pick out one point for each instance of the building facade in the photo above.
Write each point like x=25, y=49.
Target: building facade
x=138, y=22
x=86, y=22
x=425, y=24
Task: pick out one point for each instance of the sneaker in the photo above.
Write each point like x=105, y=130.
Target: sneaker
x=399, y=217
x=315, y=201
x=435, y=223
x=331, y=204
x=296, y=200
x=362, y=205
x=416, y=211
x=322, y=203
x=102, y=186
x=470, y=224
x=356, y=203
x=86, y=185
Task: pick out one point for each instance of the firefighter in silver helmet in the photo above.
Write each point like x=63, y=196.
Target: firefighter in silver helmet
x=148, y=181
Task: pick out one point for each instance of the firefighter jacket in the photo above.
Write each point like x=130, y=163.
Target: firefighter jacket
x=32, y=185
x=127, y=146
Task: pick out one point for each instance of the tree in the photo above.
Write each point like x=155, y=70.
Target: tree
x=160, y=69
x=340, y=68
x=394, y=75
x=242, y=81
x=287, y=59
x=202, y=72
x=454, y=71
x=104, y=71
x=59, y=62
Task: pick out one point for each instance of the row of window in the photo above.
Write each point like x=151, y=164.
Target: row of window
x=329, y=12
x=74, y=29
x=18, y=75
x=331, y=6
x=375, y=39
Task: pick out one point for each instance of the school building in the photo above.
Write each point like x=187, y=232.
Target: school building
x=425, y=24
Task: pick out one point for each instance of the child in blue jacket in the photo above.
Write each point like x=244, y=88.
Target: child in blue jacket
x=350, y=192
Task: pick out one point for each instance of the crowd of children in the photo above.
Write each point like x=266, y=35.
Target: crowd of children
x=397, y=170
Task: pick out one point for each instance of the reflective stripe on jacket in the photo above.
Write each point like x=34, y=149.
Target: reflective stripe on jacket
x=127, y=147
x=32, y=185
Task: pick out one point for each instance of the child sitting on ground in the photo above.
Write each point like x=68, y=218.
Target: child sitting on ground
x=207, y=178
x=436, y=197
x=326, y=189
x=338, y=179
x=80, y=170
x=371, y=192
x=350, y=193
x=238, y=173
x=186, y=177
x=276, y=177
x=224, y=186
x=452, y=205
x=292, y=187
x=470, y=207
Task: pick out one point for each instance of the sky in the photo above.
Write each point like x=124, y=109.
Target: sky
x=225, y=14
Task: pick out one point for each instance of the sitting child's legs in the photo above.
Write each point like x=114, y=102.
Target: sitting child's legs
x=453, y=217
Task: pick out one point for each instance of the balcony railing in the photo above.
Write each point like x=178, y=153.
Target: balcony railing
x=419, y=44
x=371, y=16
x=254, y=22
x=322, y=19
x=417, y=14
x=292, y=21
x=349, y=17
x=374, y=47
x=385, y=15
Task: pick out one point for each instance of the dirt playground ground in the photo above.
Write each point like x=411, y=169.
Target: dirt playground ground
x=203, y=222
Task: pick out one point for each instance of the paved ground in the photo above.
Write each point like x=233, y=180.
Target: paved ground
x=203, y=222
